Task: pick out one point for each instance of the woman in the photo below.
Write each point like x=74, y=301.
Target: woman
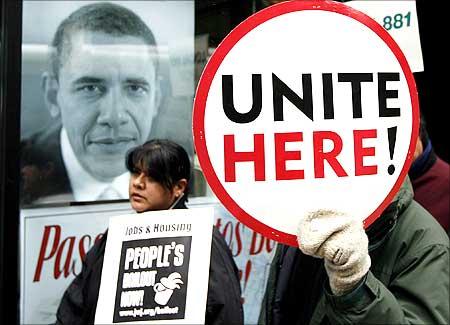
x=160, y=173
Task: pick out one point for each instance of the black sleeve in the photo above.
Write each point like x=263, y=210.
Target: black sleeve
x=79, y=301
x=224, y=304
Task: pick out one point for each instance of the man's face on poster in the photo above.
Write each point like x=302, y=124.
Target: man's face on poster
x=107, y=94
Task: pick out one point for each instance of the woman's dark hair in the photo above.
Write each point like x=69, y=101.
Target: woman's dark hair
x=163, y=160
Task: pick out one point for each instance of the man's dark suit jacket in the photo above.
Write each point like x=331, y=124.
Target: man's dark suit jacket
x=42, y=168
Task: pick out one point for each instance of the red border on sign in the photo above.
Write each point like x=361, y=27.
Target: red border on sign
x=216, y=60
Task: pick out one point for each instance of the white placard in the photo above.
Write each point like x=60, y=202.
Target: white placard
x=156, y=268
x=399, y=18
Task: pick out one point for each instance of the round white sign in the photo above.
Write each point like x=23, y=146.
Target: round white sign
x=306, y=105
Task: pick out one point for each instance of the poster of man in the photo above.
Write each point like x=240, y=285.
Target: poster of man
x=99, y=78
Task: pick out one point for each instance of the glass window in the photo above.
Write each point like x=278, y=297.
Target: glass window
x=99, y=78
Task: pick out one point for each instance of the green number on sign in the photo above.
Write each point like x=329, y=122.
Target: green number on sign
x=398, y=21
x=408, y=18
x=387, y=22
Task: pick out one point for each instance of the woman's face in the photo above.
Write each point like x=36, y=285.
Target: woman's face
x=146, y=194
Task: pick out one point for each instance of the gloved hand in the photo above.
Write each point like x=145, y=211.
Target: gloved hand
x=340, y=240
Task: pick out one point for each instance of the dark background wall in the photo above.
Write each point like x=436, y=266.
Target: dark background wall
x=430, y=83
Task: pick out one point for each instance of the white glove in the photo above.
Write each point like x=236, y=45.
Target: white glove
x=341, y=241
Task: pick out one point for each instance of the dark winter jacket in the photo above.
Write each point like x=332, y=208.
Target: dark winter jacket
x=408, y=282
x=223, y=306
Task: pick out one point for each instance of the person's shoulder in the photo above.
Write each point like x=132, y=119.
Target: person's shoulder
x=97, y=251
x=443, y=168
x=222, y=261
x=417, y=230
x=220, y=247
x=45, y=143
x=217, y=237
x=415, y=240
x=48, y=134
x=415, y=226
x=43, y=172
x=441, y=162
